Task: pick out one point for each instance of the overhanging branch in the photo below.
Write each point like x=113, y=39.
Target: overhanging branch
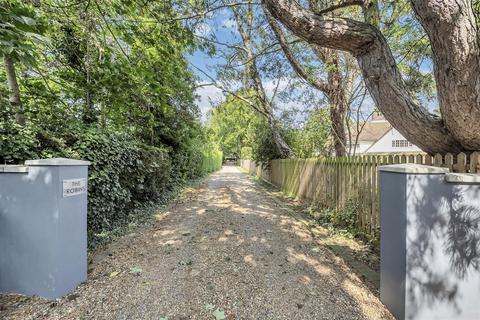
x=225, y=90
x=344, y=4
x=380, y=71
x=317, y=83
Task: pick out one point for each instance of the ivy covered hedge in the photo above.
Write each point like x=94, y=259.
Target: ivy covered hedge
x=125, y=174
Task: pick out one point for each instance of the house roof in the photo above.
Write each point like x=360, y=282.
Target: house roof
x=371, y=131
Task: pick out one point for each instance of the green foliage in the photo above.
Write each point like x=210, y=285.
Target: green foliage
x=246, y=153
x=410, y=45
x=236, y=127
x=344, y=221
x=212, y=160
x=19, y=29
x=264, y=148
x=232, y=125
x=16, y=142
x=123, y=173
x=313, y=139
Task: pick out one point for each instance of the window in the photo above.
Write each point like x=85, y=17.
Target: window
x=401, y=143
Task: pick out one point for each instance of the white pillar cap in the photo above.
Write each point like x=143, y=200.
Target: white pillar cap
x=57, y=162
x=463, y=177
x=13, y=169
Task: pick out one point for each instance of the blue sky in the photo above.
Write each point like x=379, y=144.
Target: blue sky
x=223, y=27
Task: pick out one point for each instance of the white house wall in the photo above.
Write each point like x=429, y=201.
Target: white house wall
x=362, y=146
x=384, y=144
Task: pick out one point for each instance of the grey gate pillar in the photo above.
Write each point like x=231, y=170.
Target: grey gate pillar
x=430, y=243
x=43, y=227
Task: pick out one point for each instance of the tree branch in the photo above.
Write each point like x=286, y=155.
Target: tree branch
x=317, y=83
x=225, y=90
x=345, y=4
x=209, y=10
x=111, y=31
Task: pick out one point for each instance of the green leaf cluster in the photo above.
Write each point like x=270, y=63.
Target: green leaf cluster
x=232, y=125
x=314, y=137
x=20, y=29
x=246, y=153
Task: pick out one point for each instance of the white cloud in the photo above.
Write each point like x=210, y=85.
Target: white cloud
x=203, y=30
x=210, y=96
x=271, y=85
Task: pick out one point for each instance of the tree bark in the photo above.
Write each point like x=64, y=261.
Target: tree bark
x=14, y=89
x=453, y=32
x=283, y=148
x=338, y=104
x=379, y=70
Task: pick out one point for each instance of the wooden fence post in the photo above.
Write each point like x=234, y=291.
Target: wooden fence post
x=475, y=162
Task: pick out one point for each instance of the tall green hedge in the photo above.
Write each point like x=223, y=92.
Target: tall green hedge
x=212, y=161
x=123, y=174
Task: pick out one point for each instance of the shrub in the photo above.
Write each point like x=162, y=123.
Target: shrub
x=212, y=161
x=125, y=175
x=264, y=148
x=246, y=153
x=151, y=175
x=17, y=143
x=345, y=219
x=114, y=157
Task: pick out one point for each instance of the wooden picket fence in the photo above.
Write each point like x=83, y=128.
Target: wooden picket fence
x=336, y=182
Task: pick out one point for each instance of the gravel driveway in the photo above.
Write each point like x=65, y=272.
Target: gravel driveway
x=225, y=250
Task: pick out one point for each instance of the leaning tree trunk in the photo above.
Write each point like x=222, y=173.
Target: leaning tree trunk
x=283, y=148
x=336, y=96
x=452, y=30
x=252, y=81
x=14, y=89
x=333, y=89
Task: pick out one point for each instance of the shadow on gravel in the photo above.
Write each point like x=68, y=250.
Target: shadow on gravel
x=230, y=245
